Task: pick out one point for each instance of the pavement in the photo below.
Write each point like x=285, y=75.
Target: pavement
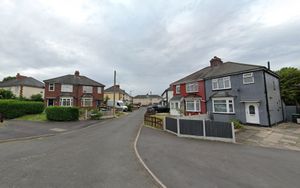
x=183, y=162
x=282, y=136
x=20, y=129
x=100, y=155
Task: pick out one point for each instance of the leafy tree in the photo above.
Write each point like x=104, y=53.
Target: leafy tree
x=106, y=99
x=36, y=97
x=290, y=85
x=8, y=78
x=6, y=94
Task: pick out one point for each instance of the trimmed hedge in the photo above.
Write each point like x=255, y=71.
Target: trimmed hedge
x=60, y=113
x=16, y=108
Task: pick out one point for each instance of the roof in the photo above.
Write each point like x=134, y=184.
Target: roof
x=176, y=98
x=74, y=80
x=118, y=89
x=26, y=81
x=146, y=96
x=227, y=68
x=166, y=90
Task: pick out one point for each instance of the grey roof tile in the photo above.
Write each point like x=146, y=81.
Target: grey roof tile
x=74, y=80
x=28, y=81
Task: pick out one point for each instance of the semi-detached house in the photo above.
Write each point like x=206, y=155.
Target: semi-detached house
x=73, y=90
x=225, y=91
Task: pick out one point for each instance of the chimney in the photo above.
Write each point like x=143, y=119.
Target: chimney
x=77, y=73
x=269, y=65
x=216, y=61
x=117, y=86
x=20, y=77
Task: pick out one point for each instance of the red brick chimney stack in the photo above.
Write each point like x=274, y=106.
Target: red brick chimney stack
x=77, y=73
x=20, y=77
x=216, y=61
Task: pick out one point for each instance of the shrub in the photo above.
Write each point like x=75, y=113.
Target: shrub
x=130, y=107
x=6, y=94
x=60, y=113
x=37, y=97
x=237, y=124
x=15, y=108
x=96, y=115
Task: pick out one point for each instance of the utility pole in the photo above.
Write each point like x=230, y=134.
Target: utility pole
x=114, y=101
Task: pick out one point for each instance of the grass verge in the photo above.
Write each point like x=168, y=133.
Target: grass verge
x=34, y=117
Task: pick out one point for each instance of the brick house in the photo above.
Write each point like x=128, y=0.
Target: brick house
x=73, y=90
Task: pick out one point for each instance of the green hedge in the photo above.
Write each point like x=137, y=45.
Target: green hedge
x=15, y=108
x=60, y=113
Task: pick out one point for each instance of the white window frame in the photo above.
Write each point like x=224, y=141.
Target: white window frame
x=99, y=90
x=51, y=85
x=223, y=79
x=61, y=101
x=177, y=89
x=192, y=87
x=174, y=104
x=67, y=88
x=83, y=102
x=195, y=103
x=227, y=99
x=248, y=75
x=85, y=89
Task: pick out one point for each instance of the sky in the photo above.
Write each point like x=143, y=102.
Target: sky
x=150, y=43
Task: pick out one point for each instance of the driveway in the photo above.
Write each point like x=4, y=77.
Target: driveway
x=283, y=136
x=182, y=162
x=101, y=155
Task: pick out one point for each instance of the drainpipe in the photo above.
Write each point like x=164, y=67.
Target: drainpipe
x=267, y=101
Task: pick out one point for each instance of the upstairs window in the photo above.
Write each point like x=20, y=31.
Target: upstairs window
x=66, y=88
x=248, y=78
x=51, y=87
x=192, y=87
x=87, y=89
x=99, y=90
x=178, y=89
x=221, y=83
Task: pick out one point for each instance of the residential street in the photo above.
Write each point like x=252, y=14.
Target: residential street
x=101, y=155
x=182, y=162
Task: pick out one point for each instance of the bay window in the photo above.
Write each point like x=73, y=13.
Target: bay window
x=87, y=102
x=223, y=105
x=193, y=105
x=66, y=101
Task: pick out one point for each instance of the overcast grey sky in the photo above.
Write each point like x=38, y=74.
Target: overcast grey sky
x=150, y=43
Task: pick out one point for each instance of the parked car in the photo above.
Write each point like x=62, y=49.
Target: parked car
x=158, y=108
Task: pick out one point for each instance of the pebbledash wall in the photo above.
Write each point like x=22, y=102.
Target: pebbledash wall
x=241, y=92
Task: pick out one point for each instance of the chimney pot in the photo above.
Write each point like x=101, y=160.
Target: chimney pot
x=216, y=61
x=77, y=73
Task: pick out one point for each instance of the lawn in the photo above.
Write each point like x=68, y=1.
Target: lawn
x=34, y=117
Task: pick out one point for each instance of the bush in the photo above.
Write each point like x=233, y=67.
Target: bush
x=15, y=108
x=96, y=115
x=60, y=113
x=6, y=94
x=237, y=124
x=130, y=107
x=37, y=97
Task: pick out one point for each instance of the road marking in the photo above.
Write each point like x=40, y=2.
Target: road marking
x=142, y=162
x=58, y=130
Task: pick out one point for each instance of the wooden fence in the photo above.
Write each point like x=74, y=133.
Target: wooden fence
x=153, y=121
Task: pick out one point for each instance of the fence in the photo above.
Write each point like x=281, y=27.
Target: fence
x=205, y=129
x=153, y=121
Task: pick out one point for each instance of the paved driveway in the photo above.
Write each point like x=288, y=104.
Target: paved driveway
x=101, y=155
x=182, y=162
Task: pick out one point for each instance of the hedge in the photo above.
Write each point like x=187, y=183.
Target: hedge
x=60, y=113
x=15, y=108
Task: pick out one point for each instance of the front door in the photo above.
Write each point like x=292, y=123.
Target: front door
x=252, y=113
x=50, y=102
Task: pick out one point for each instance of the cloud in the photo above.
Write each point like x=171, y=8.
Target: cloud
x=149, y=43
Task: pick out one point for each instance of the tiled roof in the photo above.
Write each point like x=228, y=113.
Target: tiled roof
x=27, y=81
x=146, y=96
x=74, y=80
x=224, y=69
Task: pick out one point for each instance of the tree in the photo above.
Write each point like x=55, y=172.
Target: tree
x=8, y=78
x=36, y=97
x=6, y=94
x=289, y=85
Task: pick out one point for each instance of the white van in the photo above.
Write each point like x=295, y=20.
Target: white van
x=118, y=104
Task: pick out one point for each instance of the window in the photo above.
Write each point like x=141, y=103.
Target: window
x=175, y=105
x=178, y=89
x=51, y=87
x=87, y=89
x=66, y=101
x=99, y=90
x=221, y=83
x=193, y=105
x=66, y=88
x=223, y=105
x=192, y=87
x=248, y=78
x=251, y=110
x=87, y=102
